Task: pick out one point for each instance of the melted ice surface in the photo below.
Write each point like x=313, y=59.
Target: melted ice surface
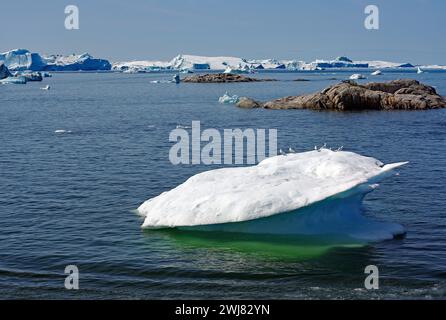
x=276, y=185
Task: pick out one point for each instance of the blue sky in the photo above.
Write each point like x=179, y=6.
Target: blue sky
x=410, y=30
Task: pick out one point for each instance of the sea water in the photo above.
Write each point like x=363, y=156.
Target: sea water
x=77, y=160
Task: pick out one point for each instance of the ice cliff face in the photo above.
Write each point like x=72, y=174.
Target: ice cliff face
x=84, y=62
x=22, y=59
x=285, y=184
x=4, y=72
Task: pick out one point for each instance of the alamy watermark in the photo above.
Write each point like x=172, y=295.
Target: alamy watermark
x=229, y=148
x=72, y=17
x=371, y=22
x=372, y=280
x=72, y=279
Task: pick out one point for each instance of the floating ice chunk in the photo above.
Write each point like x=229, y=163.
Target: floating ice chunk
x=242, y=199
x=14, y=80
x=376, y=73
x=419, y=70
x=357, y=76
x=47, y=87
x=61, y=131
x=32, y=76
x=227, y=99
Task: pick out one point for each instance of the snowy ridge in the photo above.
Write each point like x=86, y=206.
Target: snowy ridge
x=277, y=185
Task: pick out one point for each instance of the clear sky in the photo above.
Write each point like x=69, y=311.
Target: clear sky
x=410, y=30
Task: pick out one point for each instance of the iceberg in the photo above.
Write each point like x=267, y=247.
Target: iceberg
x=311, y=193
x=83, y=62
x=192, y=62
x=22, y=59
x=140, y=66
x=376, y=73
x=357, y=76
x=184, y=61
x=32, y=76
x=227, y=99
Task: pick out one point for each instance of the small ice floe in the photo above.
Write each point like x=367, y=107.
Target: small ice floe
x=13, y=80
x=291, y=150
x=61, y=131
x=179, y=126
x=175, y=79
x=227, y=99
x=47, y=87
x=238, y=70
x=357, y=76
x=419, y=70
x=376, y=73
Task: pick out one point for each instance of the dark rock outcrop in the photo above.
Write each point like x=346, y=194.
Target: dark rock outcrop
x=4, y=72
x=221, y=78
x=403, y=94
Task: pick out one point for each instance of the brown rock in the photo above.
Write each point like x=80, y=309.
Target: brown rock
x=221, y=78
x=348, y=95
x=248, y=103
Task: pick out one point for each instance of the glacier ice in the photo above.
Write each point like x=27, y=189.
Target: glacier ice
x=22, y=59
x=315, y=192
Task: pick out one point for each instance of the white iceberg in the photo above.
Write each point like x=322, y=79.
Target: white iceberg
x=376, y=73
x=227, y=99
x=316, y=192
x=22, y=59
x=357, y=76
x=419, y=70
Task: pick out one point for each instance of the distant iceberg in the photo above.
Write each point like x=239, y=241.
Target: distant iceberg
x=376, y=73
x=22, y=59
x=316, y=192
x=191, y=62
x=357, y=76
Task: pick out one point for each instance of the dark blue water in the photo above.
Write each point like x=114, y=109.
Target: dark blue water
x=69, y=198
